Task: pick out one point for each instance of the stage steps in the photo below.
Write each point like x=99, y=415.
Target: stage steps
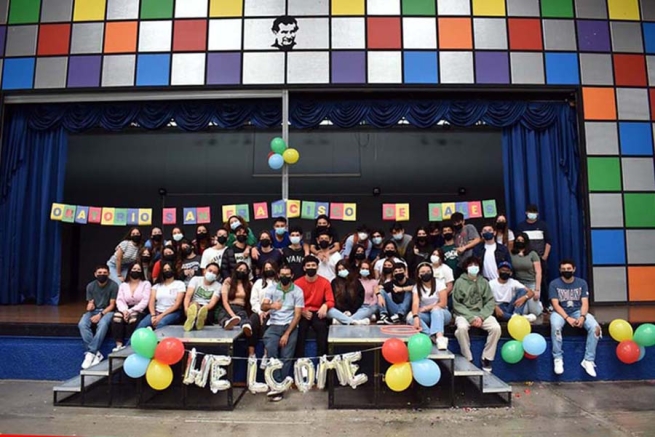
x=485, y=383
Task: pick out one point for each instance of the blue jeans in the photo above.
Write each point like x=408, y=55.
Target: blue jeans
x=168, y=319
x=533, y=306
x=392, y=307
x=510, y=308
x=113, y=273
x=93, y=342
x=272, y=345
x=433, y=322
x=590, y=324
x=366, y=311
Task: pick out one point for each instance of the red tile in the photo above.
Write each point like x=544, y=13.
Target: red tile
x=651, y=94
x=189, y=35
x=525, y=34
x=384, y=33
x=630, y=70
x=54, y=39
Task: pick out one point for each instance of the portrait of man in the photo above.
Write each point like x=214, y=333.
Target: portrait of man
x=285, y=29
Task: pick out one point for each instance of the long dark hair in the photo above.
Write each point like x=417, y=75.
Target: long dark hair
x=177, y=263
x=160, y=277
x=234, y=285
x=351, y=256
x=274, y=266
x=344, y=286
x=526, y=249
x=419, y=282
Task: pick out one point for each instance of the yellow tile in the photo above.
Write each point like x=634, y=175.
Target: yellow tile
x=89, y=10
x=489, y=7
x=624, y=9
x=226, y=8
x=348, y=7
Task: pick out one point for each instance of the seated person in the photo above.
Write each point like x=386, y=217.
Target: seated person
x=356, y=257
x=429, y=311
x=510, y=295
x=327, y=261
x=419, y=249
x=235, y=222
x=402, y=240
x=491, y=253
x=100, y=302
x=377, y=240
x=238, y=252
x=201, y=297
x=215, y=253
x=170, y=255
x=235, y=295
x=166, y=299
x=396, y=297
x=131, y=303
x=449, y=248
x=294, y=254
x=443, y=274
x=527, y=270
x=323, y=224
x=370, y=307
x=284, y=304
x=359, y=237
x=569, y=296
x=266, y=252
x=473, y=305
x=203, y=240
x=267, y=283
x=348, y=297
x=389, y=253
x=190, y=262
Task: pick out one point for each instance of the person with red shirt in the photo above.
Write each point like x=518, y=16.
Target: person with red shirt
x=318, y=300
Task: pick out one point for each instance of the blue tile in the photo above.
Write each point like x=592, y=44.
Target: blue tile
x=421, y=67
x=607, y=247
x=636, y=138
x=18, y=73
x=649, y=37
x=153, y=70
x=562, y=69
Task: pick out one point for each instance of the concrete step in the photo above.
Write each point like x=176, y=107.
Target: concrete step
x=492, y=384
x=436, y=354
x=465, y=368
x=74, y=385
x=102, y=368
x=122, y=354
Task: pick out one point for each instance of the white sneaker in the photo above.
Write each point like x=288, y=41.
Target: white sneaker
x=336, y=322
x=589, y=367
x=264, y=362
x=96, y=360
x=442, y=343
x=347, y=313
x=88, y=359
x=558, y=366
x=531, y=318
x=247, y=329
x=362, y=322
x=118, y=348
x=229, y=324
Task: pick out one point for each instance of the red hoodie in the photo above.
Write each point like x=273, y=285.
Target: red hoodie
x=316, y=293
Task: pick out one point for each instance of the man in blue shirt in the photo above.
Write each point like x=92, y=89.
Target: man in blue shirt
x=570, y=299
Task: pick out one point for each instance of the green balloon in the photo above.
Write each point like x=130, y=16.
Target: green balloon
x=144, y=342
x=512, y=352
x=645, y=335
x=419, y=346
x=278, y=145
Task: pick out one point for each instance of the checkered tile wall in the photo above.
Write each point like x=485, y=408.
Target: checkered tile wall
x=605, y=46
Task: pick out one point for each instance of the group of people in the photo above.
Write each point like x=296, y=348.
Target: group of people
x=278, y=285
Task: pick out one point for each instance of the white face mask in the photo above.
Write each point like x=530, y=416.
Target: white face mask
x=294, y=240
x=235, y=225
x=532, y=215
x=364, y=273
x=362, y=235
x=376, y=240
x=343, y=273
x=473, y=270
x=178, y=237
x=399, y=236
x=434, y=259
x=210, y=277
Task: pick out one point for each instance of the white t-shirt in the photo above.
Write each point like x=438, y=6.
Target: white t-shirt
x=510, y=237
x=211, y=255
x=203, y=293
x=425, y=297
x=379, y=264
x=503, y=293
x=258, y=292
x=443, y=275
x=165, y=295
x=326, y=268
x=490, y=268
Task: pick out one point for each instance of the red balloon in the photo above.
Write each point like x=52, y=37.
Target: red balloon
x=169, y=351
x=530, y=357
x=270, y=154
x=628, y=352
x=395, y=351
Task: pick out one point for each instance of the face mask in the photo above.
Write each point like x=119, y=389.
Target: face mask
x=311, y=272
x=488, y=236
x=376, y=240
x=448, y=236
x=323, y=244
x=169, y=257
x=201, y=236
x=364, y=273
x=285, y=280
x=265, y=243
x=135, y=275
x=280, y=231
x=221, y=239
x=389, y=253
x=458, y=227
x=320, y=229
x=145, y=259
x=473, y=270
x=102, y=278
x=519, y=245
x=567, y=275
x=242, y=238
x=235, y=225
x=532, y=216
x=360, y=256
x=343, y=273
x=362, y=235
x=269, y=273
x=501, y=226
x=434, y=259
x=178, y=237
x=504, y=275
x=156, y=238
x=399, y=277
x=294, y=240
x=186, y=251
x=241, y=274
x=168, y=274
x=387, y=270
x=210, y=277
x=426, y=277
x=399, y=236
x=422, y=240
x=136, y=239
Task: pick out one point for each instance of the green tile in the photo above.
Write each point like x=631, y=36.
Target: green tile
x=604, y=174
x=557, y=8
x=152, y=9
x=24, y=11
x=419, y=7
x=639, y=210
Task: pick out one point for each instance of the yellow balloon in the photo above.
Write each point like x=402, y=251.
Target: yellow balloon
x=620, y=330
x=159, y=375
x=399, y=376
x=518, y=327
x=291, y=156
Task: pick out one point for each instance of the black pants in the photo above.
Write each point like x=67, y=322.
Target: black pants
x=320, y=327
x=122, y=329
x=544, y=284
x=257, y=329
x=223, y=316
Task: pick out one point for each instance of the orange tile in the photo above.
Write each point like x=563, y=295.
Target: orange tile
x=641, y=284
x=120, y=37
x=455, y=33
x=599, y=103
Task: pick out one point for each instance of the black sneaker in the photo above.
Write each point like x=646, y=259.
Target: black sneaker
x=383, y=320
x=486, y=365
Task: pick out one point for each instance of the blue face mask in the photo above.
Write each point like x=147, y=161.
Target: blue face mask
x=364, y=273
x=294, y=240
x=473, y=270
x=235, y=225
x=280, y=231
x=376, y=240
x=343, y=273
x=488, y=236
x=399, y=236
x=532, y=216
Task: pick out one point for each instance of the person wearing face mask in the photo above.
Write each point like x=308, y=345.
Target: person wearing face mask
x=356, y=257
x=429, y=311
x=265, y=284
x=319, y=299
x=537, y=231
x=466, y=238
x=176, y=237
x=449, y=248
x=170, y=255
x=235, y=222
x=147, y=262
x=360, y=237
x=527, y=270
x=348, y=297
x=419, y=249
x=491, y=253
x=155, y=243
x=239, y=252
x=124, y=256
x=434, y=230
x=397, y=296
x=131, y=303
x=474, y=305
x=389, y=253
x=504, y=235
x=215, y=253
x=235, y=295
x=323, y=224
x=266, y=252
x=327, y=261
x=377, y=240
x=100, y=303
x=511, y=296
x=294, y=254
x=279, y=238
x=190, y=262
x=202, y=241
x=400, y=237
x=443, y=275
x=370, y=307
x=202, y=295
x=166, y=299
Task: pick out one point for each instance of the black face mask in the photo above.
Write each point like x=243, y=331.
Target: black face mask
x=169, y=257
x=242, y=238
x=168, y=274
x=156, y=238
x=421, y=240
x=135, y=275
x=501, y=226
x=136, y=239
x=399, y=277
x=242, y=275
x=426, y=277
x=323, y=244
x=269, y=273
x=201, y=236
x=458, y=227
x=265, y=243
x=221, y=239
x=448, y=236
x=520, y=245
x=102, y=278
x=187, y=251
x=387, y=270
x=504, y=275
x=145, y=259
x=567, y=275
x=285, y=280
x=360, y=256
x=311, y=272
x=389, y=253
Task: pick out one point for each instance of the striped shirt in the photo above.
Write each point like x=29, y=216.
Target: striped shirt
x=130, y=252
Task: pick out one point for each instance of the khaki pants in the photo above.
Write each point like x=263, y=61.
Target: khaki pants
x=462, y=334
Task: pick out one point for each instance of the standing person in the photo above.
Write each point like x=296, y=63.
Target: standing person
x=390, y=253
x=201, y=297
x=419, y=249
x=131, y=303
x=327, y=260
x=527, y=270
x=203, y=240
x=491, y=253
x=397, y=296
x=570, y=298
x=146, y=261
x=238, y=252
x=319, y=299
x=100, y=303
x=371, y=287
x=323, y=224
x=429, y=311
x=266, y=284
x=124, y=256
x=377, y=238
x=284, y=304
x=348, y=297
x=215, y=253
x=190, y=262
x=473, y=305
x=402, y=240
x=155, y=243
x=449, y=248
x=166, y=299
x=537, y=231
x=466, y=238
x=235, y=222
x=510, y=295
x=266, y=252
x=235, y=295
x=504, y=234
x=294, y=254
x=360, y=237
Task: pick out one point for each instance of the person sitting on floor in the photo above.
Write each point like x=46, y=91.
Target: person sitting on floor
x=100, y=302
x=348, y=297
x=569, y=296
x=132, y=301
x=166, y=299
x=473, y=305
x=284, y=304
x=429, y=306
x=510, y=295
x=396, y=296
x=236, y=301
x=201, y=297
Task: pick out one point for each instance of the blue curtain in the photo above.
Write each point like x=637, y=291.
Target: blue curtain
x=542, y=167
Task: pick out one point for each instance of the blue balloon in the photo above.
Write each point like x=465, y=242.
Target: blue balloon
x=534, y=344
x=135, y=365
x=642, y=353
x=276, y=161
x=426, y=372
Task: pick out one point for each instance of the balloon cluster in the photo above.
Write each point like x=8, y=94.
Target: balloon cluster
x=281, y=154
x=153, y=360
x=410, y=362
x=525, y=344
x=632, y=346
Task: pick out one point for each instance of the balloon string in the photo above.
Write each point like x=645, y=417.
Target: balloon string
x=291, y=359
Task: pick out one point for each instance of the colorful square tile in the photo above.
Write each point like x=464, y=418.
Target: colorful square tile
x=421, y=67
x=562, y=69
x=225, y=34
x=17, y=73
x=155, y=36
x=453, y=7
x=640, y=246
x=624, y=9
x=559, y=35
x=84, y=71
x=120, y=37
x=188, y=69
x=636, y=138
x=489, y=8
x=21, y=40
x=51, y=73
x=4, y=13
x=122, y=9
x=591, y=9
x=491, y=67
x=419, y=33
x=118, y=70
x=308, y=67
x=606, y=210
x=607, y=247
x=301, y=8
x=602, y=138
x=525, y=34
x=610, y=284
x=626, y=37
x=596, y=69
x=599, y=103
x=490, y=33
x=382, y=7
x=638, y=174
x=348, y=33
x=225, y=8
x=24, y=11
x=189, y=35
x=263, y=68
x=455, y=33
x=593, y=36
x=647, y=11
x=385, y=67
x=523, y=8
x=557, y=8
x=630, y=70
x=223, y=68
x=418, y=7
x=456, y=67
x=632, y=104
x=318, y=38
x=348, y=67
x=639, y=210
x=89, y=10
x=640, y=283
x=348, y=7
x=651, y=99
x=604, y=174
x=153, y=70
x=56, y=11
x=649, y=37
x=268, y=8
x=156, y=9
x=650, y=65
x=87, y=38
x=54, y=39
x=383, y=33
x=191, y=9
x=527, y=68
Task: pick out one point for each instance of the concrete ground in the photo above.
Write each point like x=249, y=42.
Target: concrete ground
x=577, y=409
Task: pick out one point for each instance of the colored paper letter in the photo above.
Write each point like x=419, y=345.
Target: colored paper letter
x=145, y=216
x=475, y=209
x=462, y=207
x=228, y=211
x=243, y=210
x=120, y=217
x=69, y=214
x=107, y=216
x=349, y=212
x=57, y=212
x=447, y=210
x=489, y=208
x=308, y=210
x=204, y=215
x=95, y=215
x=82, y=215
x=169, y=216
x=402, y=212
x=261, y=210
x=336, y=211
x=279, y=209
x=190, y=216
x=133, y=217
x=322, y=208
x=293, y=208
x=434, y=212
x=389, y=211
